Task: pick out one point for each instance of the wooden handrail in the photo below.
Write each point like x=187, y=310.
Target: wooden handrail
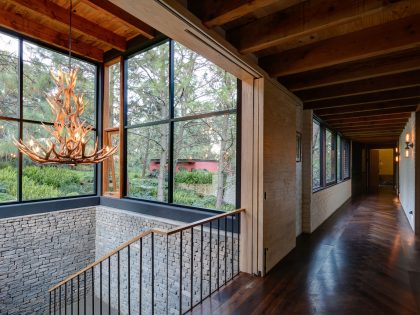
x=144, y=234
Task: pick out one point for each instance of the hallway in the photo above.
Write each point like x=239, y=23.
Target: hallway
x=363, y=260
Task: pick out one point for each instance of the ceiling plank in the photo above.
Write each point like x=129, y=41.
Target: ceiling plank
x=38, y=31
x=219, y=13
x=105, y=5
x=313, y=21
x=372, y=68
x=384, y=83
x=61, y=15
x=379, y=112
x=401, y=34
x=406, y=96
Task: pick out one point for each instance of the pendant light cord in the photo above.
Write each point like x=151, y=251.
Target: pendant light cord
x=70, y=16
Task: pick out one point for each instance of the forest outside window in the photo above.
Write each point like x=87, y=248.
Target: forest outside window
x=330, y=157
x=181, y=129
x=23, y=118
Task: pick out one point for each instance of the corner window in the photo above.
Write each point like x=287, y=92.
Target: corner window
x=24, y=117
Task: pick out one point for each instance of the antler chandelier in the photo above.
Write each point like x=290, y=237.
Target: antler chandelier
x=69, y=135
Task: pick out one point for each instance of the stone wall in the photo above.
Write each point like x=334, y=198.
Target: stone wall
x=38, y=251
x=115, y=227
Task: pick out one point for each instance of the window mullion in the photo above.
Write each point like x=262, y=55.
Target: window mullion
x=171, y=124
x=20, y=92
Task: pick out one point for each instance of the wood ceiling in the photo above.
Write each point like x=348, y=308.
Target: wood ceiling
x=356, y=63
x=98, y=26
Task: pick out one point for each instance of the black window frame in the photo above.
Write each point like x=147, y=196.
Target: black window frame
x=339, y=178
x=21, y=121
x=171, y=122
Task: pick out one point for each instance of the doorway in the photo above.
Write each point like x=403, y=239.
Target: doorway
x=381, y=170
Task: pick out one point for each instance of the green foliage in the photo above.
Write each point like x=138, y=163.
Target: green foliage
x=198, y=177
x=44, y=182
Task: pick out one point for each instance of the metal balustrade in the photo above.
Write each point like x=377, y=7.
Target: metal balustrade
x=158, y=271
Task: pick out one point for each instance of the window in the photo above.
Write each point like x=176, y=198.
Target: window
x=346, y=159
x=181, y=129
x=316, y=155
x=112, y=120
x=330, y=157
x=24, y=120
x=339, y=162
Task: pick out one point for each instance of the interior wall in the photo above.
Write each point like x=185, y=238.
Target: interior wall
x=279, y=173
x=327, y=201
x=407, y=173
x=299, y=125
x=386, y=162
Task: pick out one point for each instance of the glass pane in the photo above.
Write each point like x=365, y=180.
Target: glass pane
x=52, y=181
x=205, y=162
x=8, y=161
x=201, y=86
x=330, y=165
x=346, y=159
x=38, y=63
x=114, y=75
x=147, y=162
x=316, y=155
x=9, y=78
x=339, y=177
x=148, y=86
x=112, y=164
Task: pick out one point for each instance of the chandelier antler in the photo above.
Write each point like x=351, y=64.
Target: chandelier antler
x=69, y=133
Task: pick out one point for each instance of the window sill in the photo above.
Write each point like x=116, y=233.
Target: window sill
x=330, y=185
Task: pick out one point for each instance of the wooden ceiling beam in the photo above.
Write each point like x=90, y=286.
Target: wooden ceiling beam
x=349, y=72
x=313, y=21
x=60, y=15
x=374, y=128
x=372, y=113
x=370, y=121
x=406, y=96
x=39, y=31
x=105, y=5
x=379, y=84
x=367, y=108
x=402, y=34
x=221, y=12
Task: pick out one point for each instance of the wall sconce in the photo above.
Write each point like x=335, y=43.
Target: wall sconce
x=397, y=155
x=408, y=145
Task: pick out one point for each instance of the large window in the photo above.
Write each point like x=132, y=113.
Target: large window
x=330, y=157
x=316, y=155
x=181, y=128
x=22, y=117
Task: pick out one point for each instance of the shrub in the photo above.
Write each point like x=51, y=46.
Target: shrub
x=197, y=177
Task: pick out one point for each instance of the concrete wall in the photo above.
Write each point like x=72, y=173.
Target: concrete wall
x=407, y=173
x=38, y=251
x=327, y=201
x=279, y=221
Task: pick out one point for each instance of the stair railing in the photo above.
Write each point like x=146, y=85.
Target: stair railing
x=181, y=277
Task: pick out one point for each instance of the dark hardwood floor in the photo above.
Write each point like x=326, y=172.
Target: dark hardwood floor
x=363, y=260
